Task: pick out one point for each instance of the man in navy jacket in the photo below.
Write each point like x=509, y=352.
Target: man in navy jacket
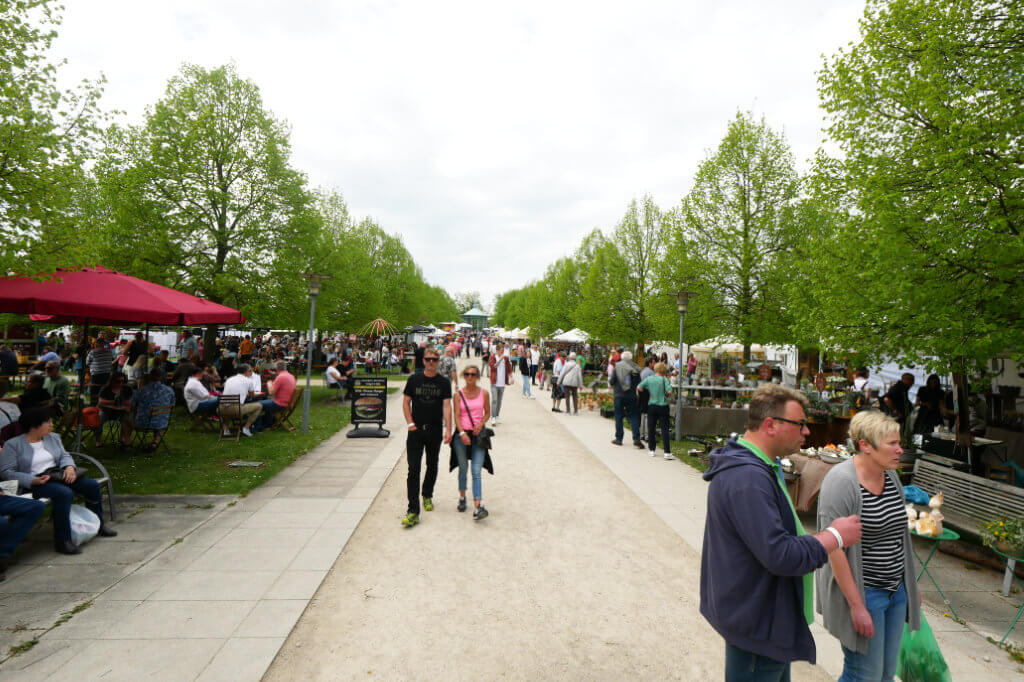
x=757, y=563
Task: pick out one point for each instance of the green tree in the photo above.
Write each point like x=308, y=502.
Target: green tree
x=202, y=195
x=46, y=134
x=730, y=236
x=927, y=110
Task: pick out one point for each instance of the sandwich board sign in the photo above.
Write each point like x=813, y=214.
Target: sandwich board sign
x=369, y=406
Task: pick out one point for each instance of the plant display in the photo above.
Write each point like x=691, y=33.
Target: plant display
x=1004, y=534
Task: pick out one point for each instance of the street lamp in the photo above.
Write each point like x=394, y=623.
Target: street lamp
x=682, y=300
x=314, y=289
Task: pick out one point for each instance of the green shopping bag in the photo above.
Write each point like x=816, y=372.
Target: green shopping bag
x=920, y=658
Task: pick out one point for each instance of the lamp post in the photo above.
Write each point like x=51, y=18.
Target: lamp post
x=314, y=289
x=682, y=300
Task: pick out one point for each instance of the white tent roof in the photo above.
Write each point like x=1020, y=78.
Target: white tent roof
x=572, y=336
x=723, y=344
x=463, y=325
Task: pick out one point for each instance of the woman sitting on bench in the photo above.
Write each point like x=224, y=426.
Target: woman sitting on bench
x=38, y=461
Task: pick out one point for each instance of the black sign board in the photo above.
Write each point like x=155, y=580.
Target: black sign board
x=370, y=401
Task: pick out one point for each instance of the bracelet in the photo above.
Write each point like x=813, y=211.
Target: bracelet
x=839, y=538
x=409, y=425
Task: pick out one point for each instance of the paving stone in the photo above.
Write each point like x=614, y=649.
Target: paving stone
x=272, y=618
x=132, y=660
x=180, y=619
x=215, y=585
x=264, y=519
x=296, y=585
x=242, y=659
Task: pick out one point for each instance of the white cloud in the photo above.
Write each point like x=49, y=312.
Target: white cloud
x=493, y=137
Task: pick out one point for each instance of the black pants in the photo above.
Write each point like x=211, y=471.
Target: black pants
x=427, y=437
x=96, y=383
x=656, y=413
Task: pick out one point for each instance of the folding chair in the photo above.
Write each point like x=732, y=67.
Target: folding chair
x=283, y=418
x=334, y=390
x=230, y=411
x=139, y=433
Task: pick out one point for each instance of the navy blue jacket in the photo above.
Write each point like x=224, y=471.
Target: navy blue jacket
x=751, y=587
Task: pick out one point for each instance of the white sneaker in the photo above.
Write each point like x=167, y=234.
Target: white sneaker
x=653, y=453
x=667, y=456
x=246, y=431
x=226, y=433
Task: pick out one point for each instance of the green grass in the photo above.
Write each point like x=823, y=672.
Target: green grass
x=197, y=461
x=680, y=448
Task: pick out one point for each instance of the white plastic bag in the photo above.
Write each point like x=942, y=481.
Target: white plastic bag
x=84, y=524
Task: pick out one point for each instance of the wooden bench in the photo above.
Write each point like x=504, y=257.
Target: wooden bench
x=969, y=501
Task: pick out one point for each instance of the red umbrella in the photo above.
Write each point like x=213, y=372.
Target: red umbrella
x=104, y=296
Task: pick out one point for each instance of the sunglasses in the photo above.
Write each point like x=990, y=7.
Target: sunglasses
x=471, y=374
x=430, y=359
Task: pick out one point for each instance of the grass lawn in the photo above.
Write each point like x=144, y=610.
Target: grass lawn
x=680, y=448
x=197, y=461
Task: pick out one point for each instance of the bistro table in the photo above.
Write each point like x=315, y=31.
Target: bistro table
x=1011, y=563
x=812, y=472
x=944, y=536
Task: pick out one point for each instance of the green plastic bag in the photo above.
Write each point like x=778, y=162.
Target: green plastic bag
x=920, y=658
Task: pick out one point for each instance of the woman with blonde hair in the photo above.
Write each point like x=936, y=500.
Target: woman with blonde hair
x=657, y=388
x=472, y=409
x=866, y=593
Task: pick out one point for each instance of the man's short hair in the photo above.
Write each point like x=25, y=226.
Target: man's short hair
x=627, y=356
x=769, y=400
x=243, y=368
x=35, y=378
x=155, y=374
x=432, y=351
x=52, y=364
x=281, y=366
x=872, y=426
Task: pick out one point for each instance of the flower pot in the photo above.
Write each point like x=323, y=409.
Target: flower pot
x=1010, y=550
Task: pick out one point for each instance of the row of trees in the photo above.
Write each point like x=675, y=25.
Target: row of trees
x=200, y=196
x=906, y=243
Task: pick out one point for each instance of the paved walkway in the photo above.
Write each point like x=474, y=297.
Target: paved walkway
x=219, y=604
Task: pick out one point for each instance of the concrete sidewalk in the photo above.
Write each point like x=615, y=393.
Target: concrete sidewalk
x=678, y=494
x=219, y=604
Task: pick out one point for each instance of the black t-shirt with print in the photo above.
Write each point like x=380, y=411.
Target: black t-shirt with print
x=428, y=395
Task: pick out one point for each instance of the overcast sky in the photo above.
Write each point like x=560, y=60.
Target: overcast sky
x=491, y=136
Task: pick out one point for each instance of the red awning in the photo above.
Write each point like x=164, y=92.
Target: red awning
x=105, y=296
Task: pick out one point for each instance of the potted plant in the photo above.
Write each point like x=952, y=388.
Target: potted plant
x=1005, y=535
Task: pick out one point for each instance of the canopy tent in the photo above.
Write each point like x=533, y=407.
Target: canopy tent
x=572, y=336
x=99, y=295
x=463, y=325
x=722, y=344
x=378, y=327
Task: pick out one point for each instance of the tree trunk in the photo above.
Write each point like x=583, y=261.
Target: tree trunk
x=209, y=342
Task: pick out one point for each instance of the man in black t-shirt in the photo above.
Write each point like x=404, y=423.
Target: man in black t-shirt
x=427, y=405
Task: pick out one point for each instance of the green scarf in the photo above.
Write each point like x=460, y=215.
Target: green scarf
x=809, y=578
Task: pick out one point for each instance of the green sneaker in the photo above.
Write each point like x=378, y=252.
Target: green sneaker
x=428, y=504
x=410, y=520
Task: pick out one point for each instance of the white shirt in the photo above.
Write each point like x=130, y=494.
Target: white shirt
x=255, y=385
x=333, y=374
x=556, y=369
x=535, y=356
x=499, y=370
x=195, y=393
x=859, y=383
x=41, y=459
x=237, y=384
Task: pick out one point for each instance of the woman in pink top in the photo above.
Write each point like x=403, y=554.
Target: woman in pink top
x=472, y=408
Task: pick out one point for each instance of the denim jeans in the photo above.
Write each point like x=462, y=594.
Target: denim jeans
x=533, y=374
x=743, y=666
x=888, y=613
x=270, y=408
x=61, y=495
x=207, y=406
x=497, y=393
x=24, y=514
x=477, y=461
x=625, y=405
x=526, y=386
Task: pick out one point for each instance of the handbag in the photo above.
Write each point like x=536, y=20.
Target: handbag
x=483, y=439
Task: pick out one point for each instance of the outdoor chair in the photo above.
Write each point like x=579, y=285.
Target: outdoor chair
x=334, y=390
x=283, y=418
x=204, y=421
x=230, y=410
x=103, y=479
x=141, y=434
x=1001, y=473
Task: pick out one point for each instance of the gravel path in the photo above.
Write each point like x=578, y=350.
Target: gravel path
x=571, y=577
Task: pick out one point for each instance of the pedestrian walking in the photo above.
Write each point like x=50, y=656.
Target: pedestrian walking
x=756, y=563
x=524, y=370
x=624, y=378
x=864, y=592
x=501, y=376
x=643, y=396
x=534, y=363
x=556, y=388
x=427, y=407
x=570, y=379
x=547, y=366
x=656, y=388
x=472, y=410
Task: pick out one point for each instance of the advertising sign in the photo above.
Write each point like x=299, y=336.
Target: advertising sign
x=369, y=401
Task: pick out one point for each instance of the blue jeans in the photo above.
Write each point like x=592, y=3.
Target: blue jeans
x=526, y=386
x=889, y=613
x=24, y=514
x=61, y=496
x=270, y=408
x=743, y=666
x=206, y=406
x=625, y=404
x=477, y=463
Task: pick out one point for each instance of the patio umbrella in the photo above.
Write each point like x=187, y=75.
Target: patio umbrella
x=90, y=295
x=378, y=327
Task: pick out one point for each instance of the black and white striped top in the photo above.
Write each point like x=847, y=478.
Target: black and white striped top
x=884, y=522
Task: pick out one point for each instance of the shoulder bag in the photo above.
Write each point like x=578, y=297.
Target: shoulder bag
x=483, y=439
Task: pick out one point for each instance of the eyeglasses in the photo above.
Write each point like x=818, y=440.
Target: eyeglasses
x=471, y=374
x=802, y=423
x=430, y=359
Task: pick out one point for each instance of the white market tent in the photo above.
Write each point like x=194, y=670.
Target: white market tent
x=463, y=325
x=572, y=336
